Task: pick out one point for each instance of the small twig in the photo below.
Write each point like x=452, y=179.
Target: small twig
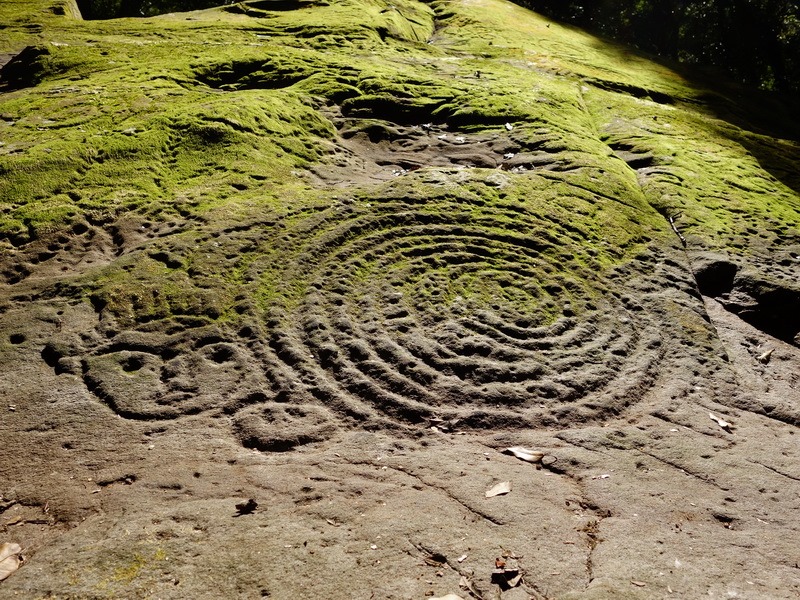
x=675, y=229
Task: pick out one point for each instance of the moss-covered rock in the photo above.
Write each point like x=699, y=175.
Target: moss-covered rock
x=219, y=119
x=273, y=222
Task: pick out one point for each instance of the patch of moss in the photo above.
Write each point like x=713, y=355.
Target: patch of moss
x=146, y=289
x=216, y=118
x=703, y=173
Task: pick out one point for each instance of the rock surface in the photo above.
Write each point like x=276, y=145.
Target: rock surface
x=327, y=261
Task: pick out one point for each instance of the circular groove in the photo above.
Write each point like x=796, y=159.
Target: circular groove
x=413, y=309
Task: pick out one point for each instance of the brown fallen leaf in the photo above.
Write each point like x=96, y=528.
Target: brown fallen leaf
x=531, y=456
x=497, y=490
x=8, y=549
x=9, y=559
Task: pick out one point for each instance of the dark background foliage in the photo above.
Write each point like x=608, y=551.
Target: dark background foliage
x=755, y=41
x=112, y=9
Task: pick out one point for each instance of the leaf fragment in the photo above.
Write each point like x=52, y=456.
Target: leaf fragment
x=499, y=489
x=721, y=422
x=465, y=583
x=764, y=358
x=531, y=456
x=9, y=549
x=9, y=559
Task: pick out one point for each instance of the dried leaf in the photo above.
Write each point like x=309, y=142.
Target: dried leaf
x=466, y=584
x=639, y=583
x=9, y=549
x=448, y=597
x=721, y=422
x=497, y=490
x=764, y=358
x=531, y=456
x=8, y=566
x=9, y=559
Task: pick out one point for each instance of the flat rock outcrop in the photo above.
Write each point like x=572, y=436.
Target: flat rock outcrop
x=280, y=282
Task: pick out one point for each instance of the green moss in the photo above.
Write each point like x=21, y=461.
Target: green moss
x=144, y=289
x=704, y=172
x=216, y=118
x=122, y=573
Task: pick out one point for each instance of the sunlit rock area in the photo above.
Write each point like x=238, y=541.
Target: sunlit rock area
x=371, y=299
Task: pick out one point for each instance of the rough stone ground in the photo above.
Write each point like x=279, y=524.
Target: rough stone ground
x=444, y=281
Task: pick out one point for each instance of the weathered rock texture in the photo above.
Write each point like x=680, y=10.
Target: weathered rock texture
x=336, y=256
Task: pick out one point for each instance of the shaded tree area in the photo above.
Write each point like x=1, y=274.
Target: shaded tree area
x=755, y=41
x=113, y=9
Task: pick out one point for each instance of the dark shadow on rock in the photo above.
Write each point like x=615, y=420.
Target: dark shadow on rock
x=772, y=307
x=715, y=276
x=247, y=8
x=25, y=69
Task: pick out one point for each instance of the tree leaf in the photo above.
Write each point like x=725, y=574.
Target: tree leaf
x=531, y=456
x=501, y=488
x=9, y=549
x=721, y=422
x=9, y=559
